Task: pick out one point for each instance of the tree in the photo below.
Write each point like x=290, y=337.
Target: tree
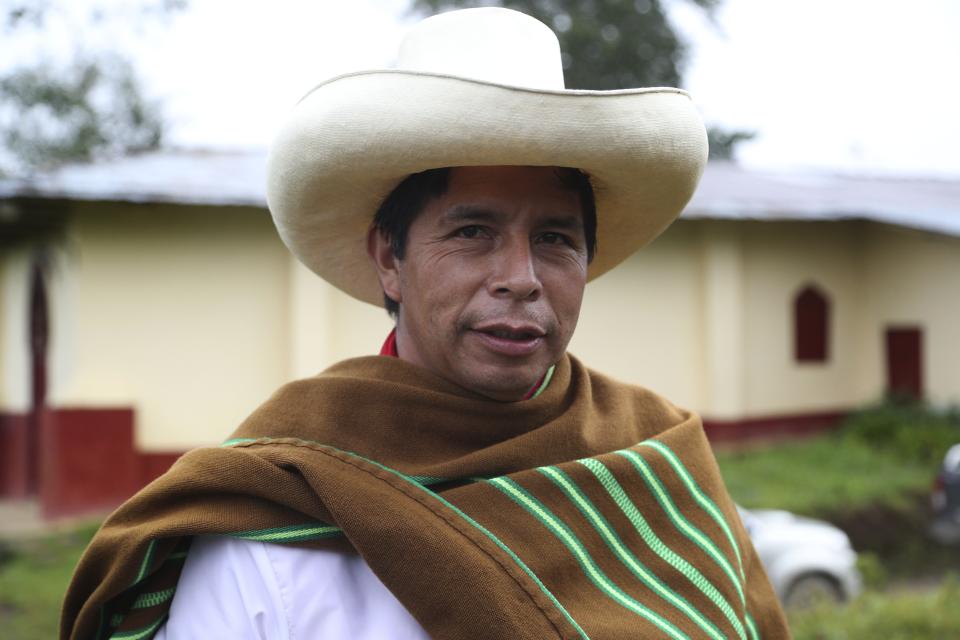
x=93, y=106
x=611, y=44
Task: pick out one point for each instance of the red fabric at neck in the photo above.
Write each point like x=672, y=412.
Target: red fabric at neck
x=389, y=347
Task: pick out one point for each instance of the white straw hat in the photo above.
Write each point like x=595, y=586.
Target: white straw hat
x=475, y=87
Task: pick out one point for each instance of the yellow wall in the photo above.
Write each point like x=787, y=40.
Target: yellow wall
x=177, y=311
x=194, y=315
x=641, y=322
x=328, y=325
x=14, y=331
x=914, y=280
x=780, y=259
x=705, y=314
x=721, y=276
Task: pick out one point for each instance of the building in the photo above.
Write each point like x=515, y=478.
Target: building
x=162, y=308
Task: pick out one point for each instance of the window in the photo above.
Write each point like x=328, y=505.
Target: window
x=811, y=325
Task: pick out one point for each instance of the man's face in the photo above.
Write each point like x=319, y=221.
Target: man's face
x=492, y=279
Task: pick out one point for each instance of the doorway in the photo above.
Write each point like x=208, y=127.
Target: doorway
x=904, y=347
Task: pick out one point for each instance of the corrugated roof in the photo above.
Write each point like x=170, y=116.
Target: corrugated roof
x=180, y=176
x=727, y=191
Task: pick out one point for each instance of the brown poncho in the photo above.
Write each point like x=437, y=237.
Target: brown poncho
x=594, y=510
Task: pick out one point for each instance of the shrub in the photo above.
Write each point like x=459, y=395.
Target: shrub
x=821, y=475
x=912, y=431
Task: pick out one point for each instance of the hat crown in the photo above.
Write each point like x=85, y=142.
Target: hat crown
x=490, y=44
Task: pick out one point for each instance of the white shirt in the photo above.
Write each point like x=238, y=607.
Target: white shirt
x=239, y=589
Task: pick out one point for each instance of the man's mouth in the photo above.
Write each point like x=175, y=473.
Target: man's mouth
x=521, y=340
x=508, y=334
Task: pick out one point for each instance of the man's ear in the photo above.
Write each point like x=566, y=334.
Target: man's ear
x=387, y=264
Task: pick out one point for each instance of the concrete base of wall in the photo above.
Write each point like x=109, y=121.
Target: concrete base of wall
x=88, y=462
x=14, y=454
x=782, y=426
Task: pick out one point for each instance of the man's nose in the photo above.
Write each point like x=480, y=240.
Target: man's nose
x=515, y=272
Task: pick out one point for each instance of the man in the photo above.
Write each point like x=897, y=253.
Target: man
x=477, y=482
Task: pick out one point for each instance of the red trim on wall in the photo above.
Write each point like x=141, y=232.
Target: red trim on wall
x=14, y=479
x=89, y=462
x=773, y=426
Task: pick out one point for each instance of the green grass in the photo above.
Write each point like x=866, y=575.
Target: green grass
x=894, y=615
x=33, y=579
x=883, y=456
x=821, y=474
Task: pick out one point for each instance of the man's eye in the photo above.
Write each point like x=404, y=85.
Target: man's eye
x=554, y=238
x=471, y=231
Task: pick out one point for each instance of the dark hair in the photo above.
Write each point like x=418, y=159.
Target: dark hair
x=407, y=200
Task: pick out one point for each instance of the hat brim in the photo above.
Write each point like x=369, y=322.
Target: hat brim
x=351, y=140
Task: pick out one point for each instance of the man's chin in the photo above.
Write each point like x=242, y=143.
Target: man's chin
x=504, y=384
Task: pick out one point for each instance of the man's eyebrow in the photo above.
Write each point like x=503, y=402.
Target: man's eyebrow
x=471, y=213
x=475, y=213
x=568, y=223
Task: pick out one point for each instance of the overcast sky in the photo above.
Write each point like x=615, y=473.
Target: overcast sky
x=848, y=85
x=852, y=84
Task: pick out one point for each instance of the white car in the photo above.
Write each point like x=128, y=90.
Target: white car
x=807, y=560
